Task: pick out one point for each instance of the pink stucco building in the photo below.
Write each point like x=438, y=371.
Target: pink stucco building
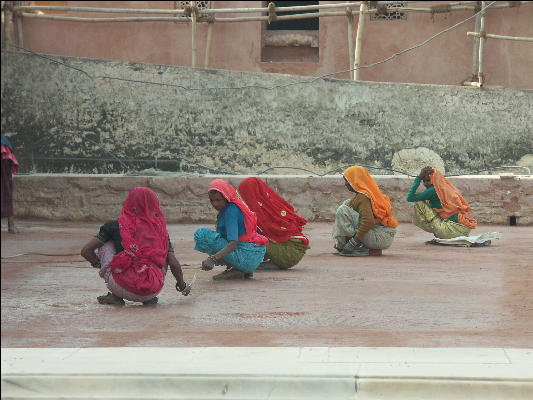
x=321, y=50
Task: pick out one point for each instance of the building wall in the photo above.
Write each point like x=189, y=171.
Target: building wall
x=100, y=109
x=237, y=46
x=184, y=199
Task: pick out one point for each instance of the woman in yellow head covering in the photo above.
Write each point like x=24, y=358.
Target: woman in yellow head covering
x=365, y=221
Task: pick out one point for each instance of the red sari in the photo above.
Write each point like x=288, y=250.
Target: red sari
x=143, y=229
x=275, y=216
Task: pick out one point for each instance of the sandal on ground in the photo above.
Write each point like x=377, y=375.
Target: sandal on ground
x=110, y=298
x=355, y=248
x=232, y=273
x=150, y=302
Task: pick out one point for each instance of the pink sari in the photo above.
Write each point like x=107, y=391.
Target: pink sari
x=139, y=268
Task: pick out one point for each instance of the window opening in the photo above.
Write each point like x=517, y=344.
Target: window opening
x=293, y=40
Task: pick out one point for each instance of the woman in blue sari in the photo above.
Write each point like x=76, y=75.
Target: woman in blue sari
x=236, y=242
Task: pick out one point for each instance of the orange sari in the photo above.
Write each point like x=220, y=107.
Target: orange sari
x=452, y=201
x=362, y=182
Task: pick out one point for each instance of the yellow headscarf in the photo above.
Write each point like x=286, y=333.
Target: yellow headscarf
x=362, y=182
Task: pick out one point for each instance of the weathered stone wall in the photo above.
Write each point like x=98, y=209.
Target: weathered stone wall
x=184, y=199
x=320, y=125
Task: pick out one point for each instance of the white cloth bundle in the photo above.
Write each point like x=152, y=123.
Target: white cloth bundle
x=470, y=241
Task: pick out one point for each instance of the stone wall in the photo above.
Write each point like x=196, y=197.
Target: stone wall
x=64, y=114
x=184, y=199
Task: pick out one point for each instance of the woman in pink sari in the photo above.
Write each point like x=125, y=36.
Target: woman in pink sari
x=134, y=252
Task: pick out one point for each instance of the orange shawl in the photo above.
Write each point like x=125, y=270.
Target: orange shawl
x=452, y=201
x=362, y=182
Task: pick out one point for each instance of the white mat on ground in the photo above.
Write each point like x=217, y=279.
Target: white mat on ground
x=468, y=241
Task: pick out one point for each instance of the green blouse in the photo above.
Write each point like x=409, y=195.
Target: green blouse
x=428, y=194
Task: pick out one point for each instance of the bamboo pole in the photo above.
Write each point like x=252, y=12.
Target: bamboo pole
x=108, y=19
x=201, y=15
x=359, y=40
x=475, y=84
x=349, y=16
x=286, y=17
x=180, y=11
x=208, y=44
x=490, y=35
x=177, y=19
x=283, y=9
x=475, y=54
x=209, y=39
x=6, y=35
x=481, y=44
x=457, y=6
x=18, y=23
x=101, y=10
x=194, y=30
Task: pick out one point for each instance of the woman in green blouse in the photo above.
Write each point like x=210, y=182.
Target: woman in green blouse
x=428, y=205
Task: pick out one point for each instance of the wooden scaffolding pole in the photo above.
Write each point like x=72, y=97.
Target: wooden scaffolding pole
x=18, y=23
x=107, y=19
x=481, y=44
x=490, y=35
x=194, y=29
x=202, y=15
x=359, y=40
x=475, y=54
x=456, y=6
x=349, y=16
x=209, y=38
x=6, y=32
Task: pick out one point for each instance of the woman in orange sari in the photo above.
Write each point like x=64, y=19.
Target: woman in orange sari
x=440, y=209
x=277, y=220
x=365, y=221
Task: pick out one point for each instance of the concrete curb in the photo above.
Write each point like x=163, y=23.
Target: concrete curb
x=267, y=373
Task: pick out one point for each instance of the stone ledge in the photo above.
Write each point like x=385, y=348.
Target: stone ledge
x=80, y=197
x=263, y=372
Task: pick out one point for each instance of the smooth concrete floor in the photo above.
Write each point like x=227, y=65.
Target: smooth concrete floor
x=415, y=295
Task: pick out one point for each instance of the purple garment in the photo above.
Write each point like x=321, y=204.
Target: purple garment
x=7, y=189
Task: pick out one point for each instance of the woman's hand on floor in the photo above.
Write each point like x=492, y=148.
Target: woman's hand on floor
x=208, y=264
x=185, y=291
